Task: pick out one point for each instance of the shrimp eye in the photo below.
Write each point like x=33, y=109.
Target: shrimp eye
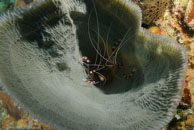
x=101, y=78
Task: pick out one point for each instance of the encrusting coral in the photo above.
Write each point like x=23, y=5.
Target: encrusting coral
x=152, y=10
x=83, y=64
x=189, y=14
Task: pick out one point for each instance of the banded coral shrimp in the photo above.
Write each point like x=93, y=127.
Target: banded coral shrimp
x=104, y=60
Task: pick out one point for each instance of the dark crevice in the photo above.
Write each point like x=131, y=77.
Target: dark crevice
x=110, y=79
x=34, y=22
x=186, y=29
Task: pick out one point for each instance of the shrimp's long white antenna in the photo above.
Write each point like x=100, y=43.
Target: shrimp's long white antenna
x=123, y=41
x=98, y=29
x=90, y=36
x=121, y=44
x=104, y=46
x=98, y=51
x=107, y=38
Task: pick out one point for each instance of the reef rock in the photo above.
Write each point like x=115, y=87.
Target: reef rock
x=189, y=14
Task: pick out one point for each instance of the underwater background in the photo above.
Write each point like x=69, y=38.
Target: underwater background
x=175, y=20
x=6, y=4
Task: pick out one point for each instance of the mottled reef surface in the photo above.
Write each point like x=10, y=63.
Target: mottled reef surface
x=175, y=20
